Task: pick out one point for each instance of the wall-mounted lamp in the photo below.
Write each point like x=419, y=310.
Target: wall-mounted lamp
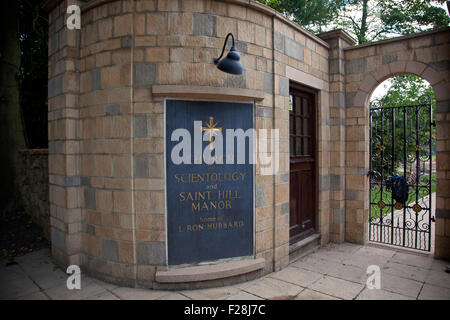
x=230, y=64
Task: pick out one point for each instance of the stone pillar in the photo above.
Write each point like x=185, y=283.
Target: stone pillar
x=63, y=132
x=356, y=147
x=338, y=40
x=442, y=91
x=442, y=240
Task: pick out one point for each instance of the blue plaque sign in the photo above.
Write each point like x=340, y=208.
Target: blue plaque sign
x=209, y=180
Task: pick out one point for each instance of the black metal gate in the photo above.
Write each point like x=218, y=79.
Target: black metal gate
x=402, y=152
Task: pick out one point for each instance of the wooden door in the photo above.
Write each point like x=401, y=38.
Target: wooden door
x=302, y=130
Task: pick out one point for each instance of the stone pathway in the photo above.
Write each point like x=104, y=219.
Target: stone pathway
x=336, y=271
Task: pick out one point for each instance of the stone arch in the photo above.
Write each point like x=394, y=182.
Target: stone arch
x=373, y=79
x=427, y=56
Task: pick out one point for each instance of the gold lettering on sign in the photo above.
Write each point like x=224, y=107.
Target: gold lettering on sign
x=209, y=177
x=214, y=226
x=211, y=205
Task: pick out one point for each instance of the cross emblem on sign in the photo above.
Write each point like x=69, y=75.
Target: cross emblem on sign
x=211, y=127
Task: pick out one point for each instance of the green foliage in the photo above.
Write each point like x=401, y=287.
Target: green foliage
x=314, y=15
x=365, y=20
x=33, y=36
x=405, y=90
x=410, y=16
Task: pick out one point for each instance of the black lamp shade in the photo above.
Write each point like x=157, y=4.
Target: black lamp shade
x=231, y=64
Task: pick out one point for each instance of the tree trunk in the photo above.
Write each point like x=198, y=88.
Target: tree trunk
x=362, y=34
x=11, y=132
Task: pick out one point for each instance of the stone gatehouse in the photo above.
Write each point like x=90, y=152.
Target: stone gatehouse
x=136, y=67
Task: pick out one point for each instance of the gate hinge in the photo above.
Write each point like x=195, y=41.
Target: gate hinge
x=433, y=123
x=433, y=219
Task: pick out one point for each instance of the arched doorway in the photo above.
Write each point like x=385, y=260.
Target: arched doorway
x=426, y=55
x=402, y=163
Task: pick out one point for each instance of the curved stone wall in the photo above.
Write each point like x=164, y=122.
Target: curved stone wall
x=113, y=123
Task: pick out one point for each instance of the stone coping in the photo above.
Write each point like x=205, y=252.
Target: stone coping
x=396, y=39
x=338, y=33
x=207, y=92
x=210, y=272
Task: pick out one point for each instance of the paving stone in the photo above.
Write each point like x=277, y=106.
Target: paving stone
x=363, y=261
x=316, y=265
x=34, y=296
x=138, y=294
x=15, y=283
x=430, y=292
x=308, y=294
x=211, y=294
x=337, y=287
x=350, y=273
x=439, y=265
x=412, y=260
x=301, y=277
x=342, y=247
x=330, y=255
x=405, y=271
x=34, y=259
x=173, y=296
x=269, y=288
x=402, y=276
x=106, y=295
x=375, y=251
x=49, y=277
x=405, y=287
x=242, y=295
x=88, y=289
x=105, y=285
x=39, y=266
x=245, y=284
x=438, y=278
x=379, y=294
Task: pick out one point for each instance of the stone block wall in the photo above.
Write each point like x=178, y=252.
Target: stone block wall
x=426, y=55
x=33, y=186
x=63, y=134
x=338, y=41
x=106, y=127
